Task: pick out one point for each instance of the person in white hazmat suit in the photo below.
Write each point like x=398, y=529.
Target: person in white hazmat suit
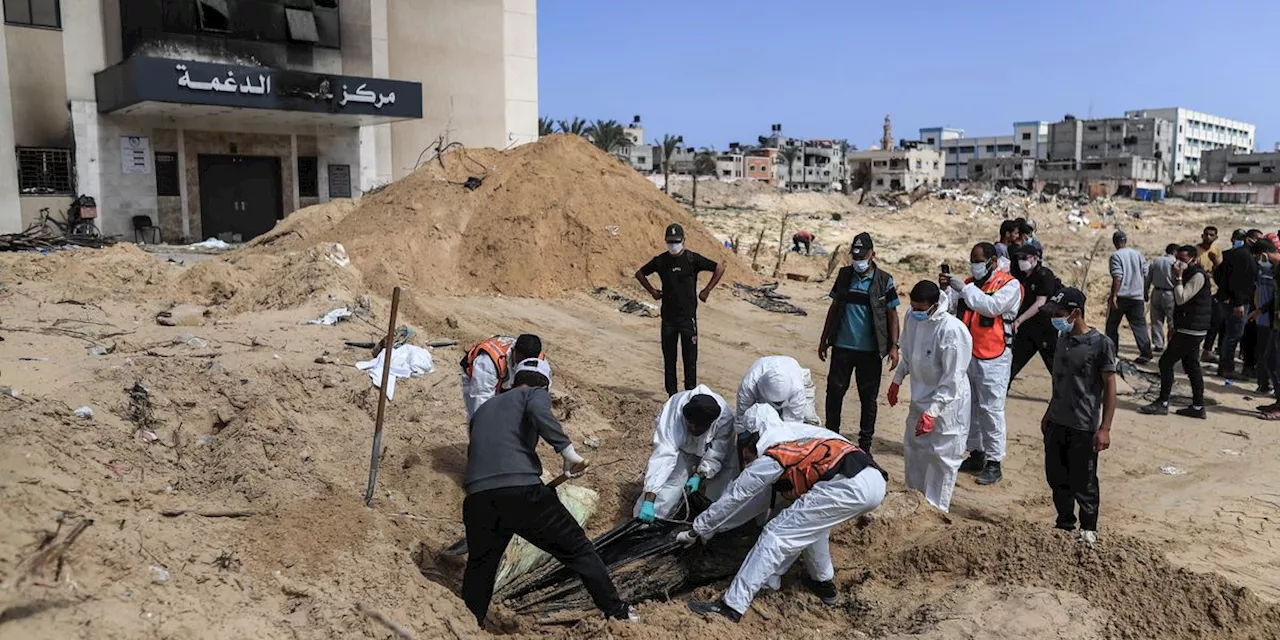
x=779, y=381
x=692, y=438
x=986, y=304
x=936, y=351
x=489, y=367
x=830, y=480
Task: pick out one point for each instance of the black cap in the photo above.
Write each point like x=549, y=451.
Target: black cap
x=701, y=410
x=1239, y=234
x=1068, y=298
x=1026, y=250
x=675, y=233
x=862, y=245
x=1119, y=236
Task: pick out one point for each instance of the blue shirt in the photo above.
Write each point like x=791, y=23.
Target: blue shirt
x=857, y=329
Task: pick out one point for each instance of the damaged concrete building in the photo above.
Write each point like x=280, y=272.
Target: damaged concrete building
x=1029, y=140
x=1241, y=178
x=897, y=169
x=1109, y=156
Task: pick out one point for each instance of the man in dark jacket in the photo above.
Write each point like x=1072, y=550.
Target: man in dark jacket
x=1236, y=278
x=862, y=326
x=506, y=497
x=1033, y=332
x=1192, y=315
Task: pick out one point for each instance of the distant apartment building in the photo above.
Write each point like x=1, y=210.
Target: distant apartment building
x=818, y=165
x=641, y=156
x=1027, y=141
x=761, y=165
x=1002, y=172
x=1242, y=178
x=731, y=165
x=1195, y=133
x=898, y=169
x=1109, y=156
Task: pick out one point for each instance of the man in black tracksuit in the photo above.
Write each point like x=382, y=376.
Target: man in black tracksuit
x=506, y=497
x=1236, y=277
x=678, y=270
x=1033, y=332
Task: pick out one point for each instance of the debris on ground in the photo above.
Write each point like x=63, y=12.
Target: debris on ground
x=767, y=297
x=628, y=304
x=407, y=361
x=41, y=238
x=333, y=317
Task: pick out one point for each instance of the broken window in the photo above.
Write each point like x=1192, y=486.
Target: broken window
x=302, y=25
x=1242, y=169
x=1026, y=136
x=1092, y=127
x=44, y=171
x=214, y=15
x=1116, y=128
x=930, y=141
x=1268, y=169
x=879, y=182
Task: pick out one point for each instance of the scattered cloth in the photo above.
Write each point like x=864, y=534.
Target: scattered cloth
x=212, y=244
x=407, y=361
x=332, y=318
x=84, y=412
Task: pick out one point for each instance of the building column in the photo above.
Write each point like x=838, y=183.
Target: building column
x=10, y=209
x=182, y=186
x=293, y=160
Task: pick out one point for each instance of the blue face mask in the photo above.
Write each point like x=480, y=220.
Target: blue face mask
x=1236, y=244
x=1063, y=325
x=919, y=316
x=861, y=266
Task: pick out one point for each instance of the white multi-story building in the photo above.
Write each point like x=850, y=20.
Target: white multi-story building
x=1196, y=132
x=1029, y=140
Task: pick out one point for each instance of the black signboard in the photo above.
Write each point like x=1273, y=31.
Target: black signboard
x=167, y=174
x=339, y=181
x=142, y=79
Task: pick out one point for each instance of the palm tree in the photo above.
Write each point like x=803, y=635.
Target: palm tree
x=608, y=136
x=668, y=147
x=704, y=164
x=576, y=127
x=546, y=127
x=789, y=154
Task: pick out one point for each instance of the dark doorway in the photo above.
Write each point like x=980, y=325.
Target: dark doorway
x=239, y=195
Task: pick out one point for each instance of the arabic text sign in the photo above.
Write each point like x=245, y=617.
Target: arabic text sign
x=231, y=84
x=135, y=154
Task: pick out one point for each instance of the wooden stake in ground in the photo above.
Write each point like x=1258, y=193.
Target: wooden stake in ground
x=389, y=345
x=755, y=252
x=782, y=236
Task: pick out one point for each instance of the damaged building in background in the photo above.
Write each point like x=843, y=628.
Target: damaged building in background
x=900, y=169
x=1129, y=156
x=1234, y=177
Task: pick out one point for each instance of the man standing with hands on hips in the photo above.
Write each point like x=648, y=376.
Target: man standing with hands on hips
x=678, y=270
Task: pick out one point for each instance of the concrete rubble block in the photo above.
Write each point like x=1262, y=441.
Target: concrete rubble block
x=183, y=315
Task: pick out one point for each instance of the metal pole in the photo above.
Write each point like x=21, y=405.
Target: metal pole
x=388, y=346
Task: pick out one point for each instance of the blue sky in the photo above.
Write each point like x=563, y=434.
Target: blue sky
x=717, y=71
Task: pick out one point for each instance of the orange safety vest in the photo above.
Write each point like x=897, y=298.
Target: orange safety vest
x=497, y=348
x=991, y=336
x=804, y=462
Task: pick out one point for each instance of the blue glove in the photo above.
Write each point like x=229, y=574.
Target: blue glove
x=694, y=482
x=646, y=512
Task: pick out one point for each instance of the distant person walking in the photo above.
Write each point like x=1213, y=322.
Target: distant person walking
x=1192, y=314
x=1159, y=288
x=678, y=270
x=1128, y=298
x=862, y=326
x=802, y=238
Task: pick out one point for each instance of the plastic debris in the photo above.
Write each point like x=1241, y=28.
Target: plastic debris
x=331, y=318
x=159, y=575
x=212, y=244
x=83, y=412
x=1172, y=471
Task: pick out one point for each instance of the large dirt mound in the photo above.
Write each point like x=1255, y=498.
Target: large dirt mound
x=548, y=217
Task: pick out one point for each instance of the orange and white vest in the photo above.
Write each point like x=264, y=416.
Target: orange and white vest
x=805, y=462
x=991, y=336
x=498, y=348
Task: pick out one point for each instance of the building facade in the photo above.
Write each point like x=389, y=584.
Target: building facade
x=1077, y=149
x=1027, y=141
x=217, y=118
x=1196, y=133
x=898, y=169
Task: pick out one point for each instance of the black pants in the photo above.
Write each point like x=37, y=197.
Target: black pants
x=844, y=364
x=1249, y=345
x=1185, y=349
x=1028, y=342
x=682, y=333
x=1215, y=325
x=796, y=242
x=1135, y=311
x=1071, y=467
x=534, y=513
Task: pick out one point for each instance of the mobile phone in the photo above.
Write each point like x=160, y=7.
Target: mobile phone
x=946, y=269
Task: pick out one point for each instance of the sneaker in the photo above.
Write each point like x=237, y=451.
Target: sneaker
x=1089, y=538
x=1142, y=360
x=1158, y=350
x=991, y=473
x=1263, y=390
x=1192, y=412
x=975, y=462
x=825, y=590
x=1065, y=527
x=629, y=616
x=717, y=607
x=1208, y=356
x=1157, y=408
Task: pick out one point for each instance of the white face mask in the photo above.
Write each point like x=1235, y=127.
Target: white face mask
x=861, y=266
x=674, y=248
x=1025, y=266
x=979, y=270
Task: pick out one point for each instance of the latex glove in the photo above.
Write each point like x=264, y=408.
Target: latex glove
x=957, y=284
x=647, y=513
x=893, y=394
x=924, y=425
x=694, y=482
x=686, y=538
x=574, y=464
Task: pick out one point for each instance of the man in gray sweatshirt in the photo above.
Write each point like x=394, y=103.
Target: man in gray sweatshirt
x=506, y=496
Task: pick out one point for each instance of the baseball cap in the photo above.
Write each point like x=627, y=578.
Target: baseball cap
x=1026, y=250
x=675, y=233
x=862, y=245
x=1068, y=298
x=536, y=365
x=1119, y=236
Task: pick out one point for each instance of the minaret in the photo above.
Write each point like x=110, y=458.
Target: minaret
x=887, y=142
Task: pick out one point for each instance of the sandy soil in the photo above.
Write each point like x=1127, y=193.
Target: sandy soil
x=264, y=414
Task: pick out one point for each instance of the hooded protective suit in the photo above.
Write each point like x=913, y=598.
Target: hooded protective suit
x=936, y=354
x=803, y=528
x=482, y=384
x=783, y=383
x=677, y=454
x=988, y=379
